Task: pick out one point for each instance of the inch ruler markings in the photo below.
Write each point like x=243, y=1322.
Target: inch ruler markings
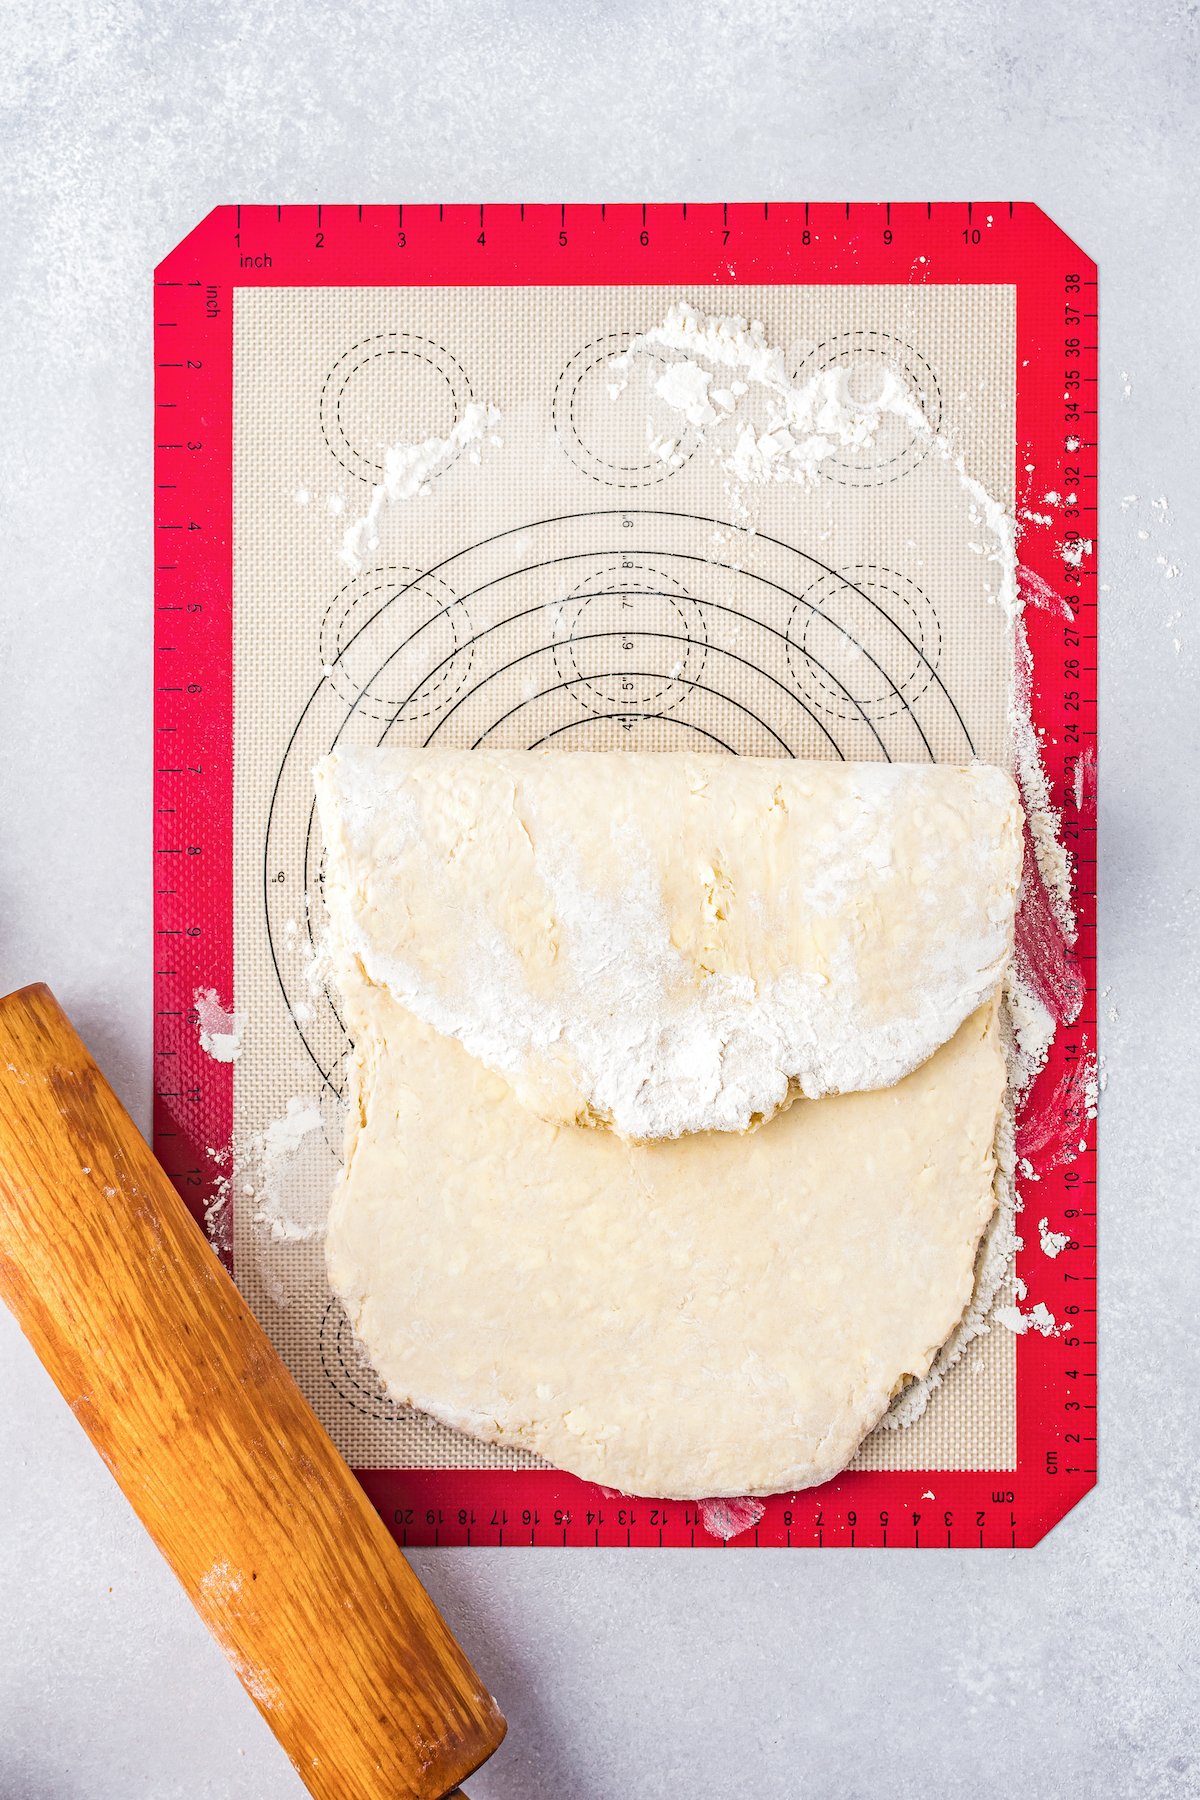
x=664, y=245
x=193, y=731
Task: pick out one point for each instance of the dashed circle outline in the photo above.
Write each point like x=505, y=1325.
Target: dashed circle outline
x=383, y=1409
x=847, y=474
x=397, y=347
x=412, y=579
x=927, y=665
x=651, y=473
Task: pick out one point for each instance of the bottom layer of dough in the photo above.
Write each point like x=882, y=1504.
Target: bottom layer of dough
x=714, y=1315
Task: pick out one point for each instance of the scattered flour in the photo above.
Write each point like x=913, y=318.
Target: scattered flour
x=221, y=1583
x=271, y=1158
x=256, y=1684
x=762, y=426
x=1053, y=1242
x=1038, y=1318
x=218, y=1217
x=409, y=469
x=1044, y=818
x=221, y=1030
x=1033, y=1027
x=221, y=1587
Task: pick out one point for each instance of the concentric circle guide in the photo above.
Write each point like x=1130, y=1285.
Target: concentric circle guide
x=795, y=658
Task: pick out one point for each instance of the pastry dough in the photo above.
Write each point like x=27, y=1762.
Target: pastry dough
x=701, y=1312
x=670, y=943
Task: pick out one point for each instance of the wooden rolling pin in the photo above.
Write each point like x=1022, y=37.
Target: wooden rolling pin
x=219, y=1454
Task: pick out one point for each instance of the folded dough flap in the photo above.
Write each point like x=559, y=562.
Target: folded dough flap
x=668, y=943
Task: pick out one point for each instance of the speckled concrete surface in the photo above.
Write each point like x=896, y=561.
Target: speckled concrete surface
x=625, y=1676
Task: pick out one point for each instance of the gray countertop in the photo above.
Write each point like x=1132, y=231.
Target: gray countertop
x=625, y=1675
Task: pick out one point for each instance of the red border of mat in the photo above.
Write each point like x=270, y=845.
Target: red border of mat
x=682, y=247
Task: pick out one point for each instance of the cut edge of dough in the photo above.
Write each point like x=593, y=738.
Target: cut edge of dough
x=993, y=1261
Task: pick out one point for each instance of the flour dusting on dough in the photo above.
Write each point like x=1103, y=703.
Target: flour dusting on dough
x=619, y=981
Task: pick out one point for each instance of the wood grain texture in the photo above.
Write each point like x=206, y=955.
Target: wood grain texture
x=213, y=1444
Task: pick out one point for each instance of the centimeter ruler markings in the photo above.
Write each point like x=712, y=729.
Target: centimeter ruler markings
x=660, y=245
x=1076, y=685
x=810, y=1521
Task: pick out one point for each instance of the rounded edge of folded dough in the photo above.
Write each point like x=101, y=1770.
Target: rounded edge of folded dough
x=801, y=1032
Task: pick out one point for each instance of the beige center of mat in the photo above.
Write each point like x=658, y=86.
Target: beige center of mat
x=571, y=589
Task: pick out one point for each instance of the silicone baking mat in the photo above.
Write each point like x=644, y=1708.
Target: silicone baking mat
x=570, y=587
